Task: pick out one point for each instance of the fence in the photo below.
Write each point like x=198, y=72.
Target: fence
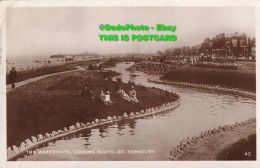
x=22, y=66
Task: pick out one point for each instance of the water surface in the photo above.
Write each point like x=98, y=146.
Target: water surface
x=152, y=136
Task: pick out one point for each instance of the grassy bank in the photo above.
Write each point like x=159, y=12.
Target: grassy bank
x=211, y=147
x=249, y=65
x=55, y=102
x=244, y=149
x=86, y=64
x=113, y=61
x=242, y=79
x=24, y=75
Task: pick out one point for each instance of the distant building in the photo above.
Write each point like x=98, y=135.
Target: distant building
x=236, y=45
x=183, y=51
x=76, y=57
x=155, y=57
x=225, y=45
x=116, y=55
x=68, y=58
x=57, y=56
x=253, y=49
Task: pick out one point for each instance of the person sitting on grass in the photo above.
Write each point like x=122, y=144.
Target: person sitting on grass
x=102, y=96
x=123, y=94
x=107, y=100
x=132, y=94
x=90, y=67
x=100, y=66
x=86, y=93
x=78, y=113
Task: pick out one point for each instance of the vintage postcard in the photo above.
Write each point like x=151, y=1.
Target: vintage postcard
x=149, y=83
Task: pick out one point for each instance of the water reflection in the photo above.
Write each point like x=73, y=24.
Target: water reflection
x=199, y=110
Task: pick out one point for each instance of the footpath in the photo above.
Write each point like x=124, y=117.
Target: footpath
x=24, y=82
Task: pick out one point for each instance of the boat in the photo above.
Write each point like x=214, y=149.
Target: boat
x=134, y=74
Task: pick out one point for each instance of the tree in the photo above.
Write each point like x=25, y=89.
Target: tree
x=160, y=53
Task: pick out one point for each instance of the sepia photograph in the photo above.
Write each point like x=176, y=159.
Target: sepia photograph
x=129, y=83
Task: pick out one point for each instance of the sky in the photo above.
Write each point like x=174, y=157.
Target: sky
x=72, y=30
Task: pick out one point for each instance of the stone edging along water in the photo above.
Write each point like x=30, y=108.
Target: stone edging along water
x=29, y=144
x=186, y=142
x=207, y=87
x=178, y=149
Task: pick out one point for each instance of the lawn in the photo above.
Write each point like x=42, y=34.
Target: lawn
x=51, y=103
x=24, y=75
x=248, y=65
x=113, y=61
x=228, y=145
x=244, y=149
x=242, y=79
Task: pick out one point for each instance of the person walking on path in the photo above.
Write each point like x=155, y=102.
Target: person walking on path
x=12, y=77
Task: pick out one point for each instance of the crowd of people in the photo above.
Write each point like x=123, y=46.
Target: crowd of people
x=177, y=62
x=131, y=97
x=149, y=66
x=218, y=65
x=152, y=66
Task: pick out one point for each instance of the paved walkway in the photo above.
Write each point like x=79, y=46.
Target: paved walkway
x=21, y=83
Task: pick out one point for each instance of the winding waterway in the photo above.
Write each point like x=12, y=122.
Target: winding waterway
x=150, y=138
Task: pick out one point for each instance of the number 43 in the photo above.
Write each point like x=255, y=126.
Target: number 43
x=247, y=153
